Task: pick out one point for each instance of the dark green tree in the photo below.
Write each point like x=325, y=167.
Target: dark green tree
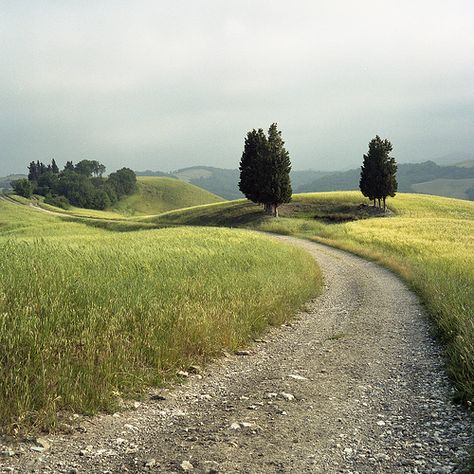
x=389, y=179
x=278, y=187
x=378, y=171
x=265, y=169
x=23, y=187
x=89, y=168
x=69, y=166
x=33, y=171
x=124, y=181
x=54, y=167
x=251, y=165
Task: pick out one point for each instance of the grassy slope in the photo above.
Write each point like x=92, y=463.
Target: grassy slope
x=428, y=242
x=159, y=194
x=155, y=194
x=88, y=313
x=455, y=188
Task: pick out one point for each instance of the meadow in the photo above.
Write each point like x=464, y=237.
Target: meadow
x=90, y=316
x=428, y=240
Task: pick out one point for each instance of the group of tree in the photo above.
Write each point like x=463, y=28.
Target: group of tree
x=80, y=184
x=265, y=169
x=378, y=178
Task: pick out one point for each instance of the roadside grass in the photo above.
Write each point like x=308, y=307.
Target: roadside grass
x=89, y=316
x=428, y=241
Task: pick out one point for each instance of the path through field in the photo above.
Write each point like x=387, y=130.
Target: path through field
x=356, y=384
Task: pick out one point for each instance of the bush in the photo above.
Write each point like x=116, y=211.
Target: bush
x=57, y=201
x=22, y=187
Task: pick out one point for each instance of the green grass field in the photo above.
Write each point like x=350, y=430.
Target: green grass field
x=428, y=241
x=455, y=188
x=155, y=195
x=90, y=315
x=158, y=194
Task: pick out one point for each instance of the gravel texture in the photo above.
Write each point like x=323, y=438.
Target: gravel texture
x=356, y=384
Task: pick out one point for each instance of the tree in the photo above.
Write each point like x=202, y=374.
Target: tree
x=69, y=166
x=23, y=187
x=54, y=167
x=89, y=168
x=279, y=189
x=251, y=169
x=33, y=171
x=265, y=169
x=378, y=171
x=124, y=181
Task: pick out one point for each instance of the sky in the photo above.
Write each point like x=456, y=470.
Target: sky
x=162, y=85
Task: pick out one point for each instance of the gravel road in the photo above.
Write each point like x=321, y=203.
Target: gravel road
x=356, y=384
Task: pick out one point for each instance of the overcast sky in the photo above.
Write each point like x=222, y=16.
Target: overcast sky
x=163, y=85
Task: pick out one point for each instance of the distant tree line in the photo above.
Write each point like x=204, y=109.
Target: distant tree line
x=80, y=184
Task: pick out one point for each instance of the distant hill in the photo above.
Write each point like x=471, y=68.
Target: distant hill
x=159, y=194
x=455, y=159
x=465, y=164
x=456, y=188
x=225, y=182
x=5, y=181
x=409, y=175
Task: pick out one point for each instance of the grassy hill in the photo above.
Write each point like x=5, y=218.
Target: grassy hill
x=155, y=194
x=409, y=176
x=456, y=188
x=158, y=194
x=427, y=240
x=5, y=181
x=225, y=182
x=465, y=164
x=91, y=316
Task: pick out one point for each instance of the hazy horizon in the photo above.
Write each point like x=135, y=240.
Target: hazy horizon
x=162, y=86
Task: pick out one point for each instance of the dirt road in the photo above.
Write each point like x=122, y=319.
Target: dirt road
x=355, y=384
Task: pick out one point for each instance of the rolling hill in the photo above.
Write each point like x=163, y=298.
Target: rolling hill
x=225, y=182
x=456, y=188
x=5, y=181
x=449, y=181
x=159, y=194
x=155, y=194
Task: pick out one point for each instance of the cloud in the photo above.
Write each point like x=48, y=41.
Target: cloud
x=160, y=85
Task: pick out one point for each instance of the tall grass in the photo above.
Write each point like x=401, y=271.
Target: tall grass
x=86, y=314
x=429, y=242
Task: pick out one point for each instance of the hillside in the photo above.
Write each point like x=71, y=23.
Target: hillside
x=427, y=240
x=5, y=181
x=456, y=188
x=225, y=182
x=409, y=175
x=159, y=194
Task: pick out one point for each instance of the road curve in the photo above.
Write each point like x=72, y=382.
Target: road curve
x=369, y=387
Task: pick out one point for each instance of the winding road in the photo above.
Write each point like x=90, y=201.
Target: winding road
x=356, y=384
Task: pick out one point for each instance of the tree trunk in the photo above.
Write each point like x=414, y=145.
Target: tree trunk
x=275, y=210
x=374, y=202
x=378, y=199
x=268, y=208
x=384, y=207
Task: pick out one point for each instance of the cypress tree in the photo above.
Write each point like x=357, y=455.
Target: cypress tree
x=264, y=169
x=54, y=167
x=251, y=165
x=33, y=172
x=280, y=167
x=390, y=184
x=378, y=171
